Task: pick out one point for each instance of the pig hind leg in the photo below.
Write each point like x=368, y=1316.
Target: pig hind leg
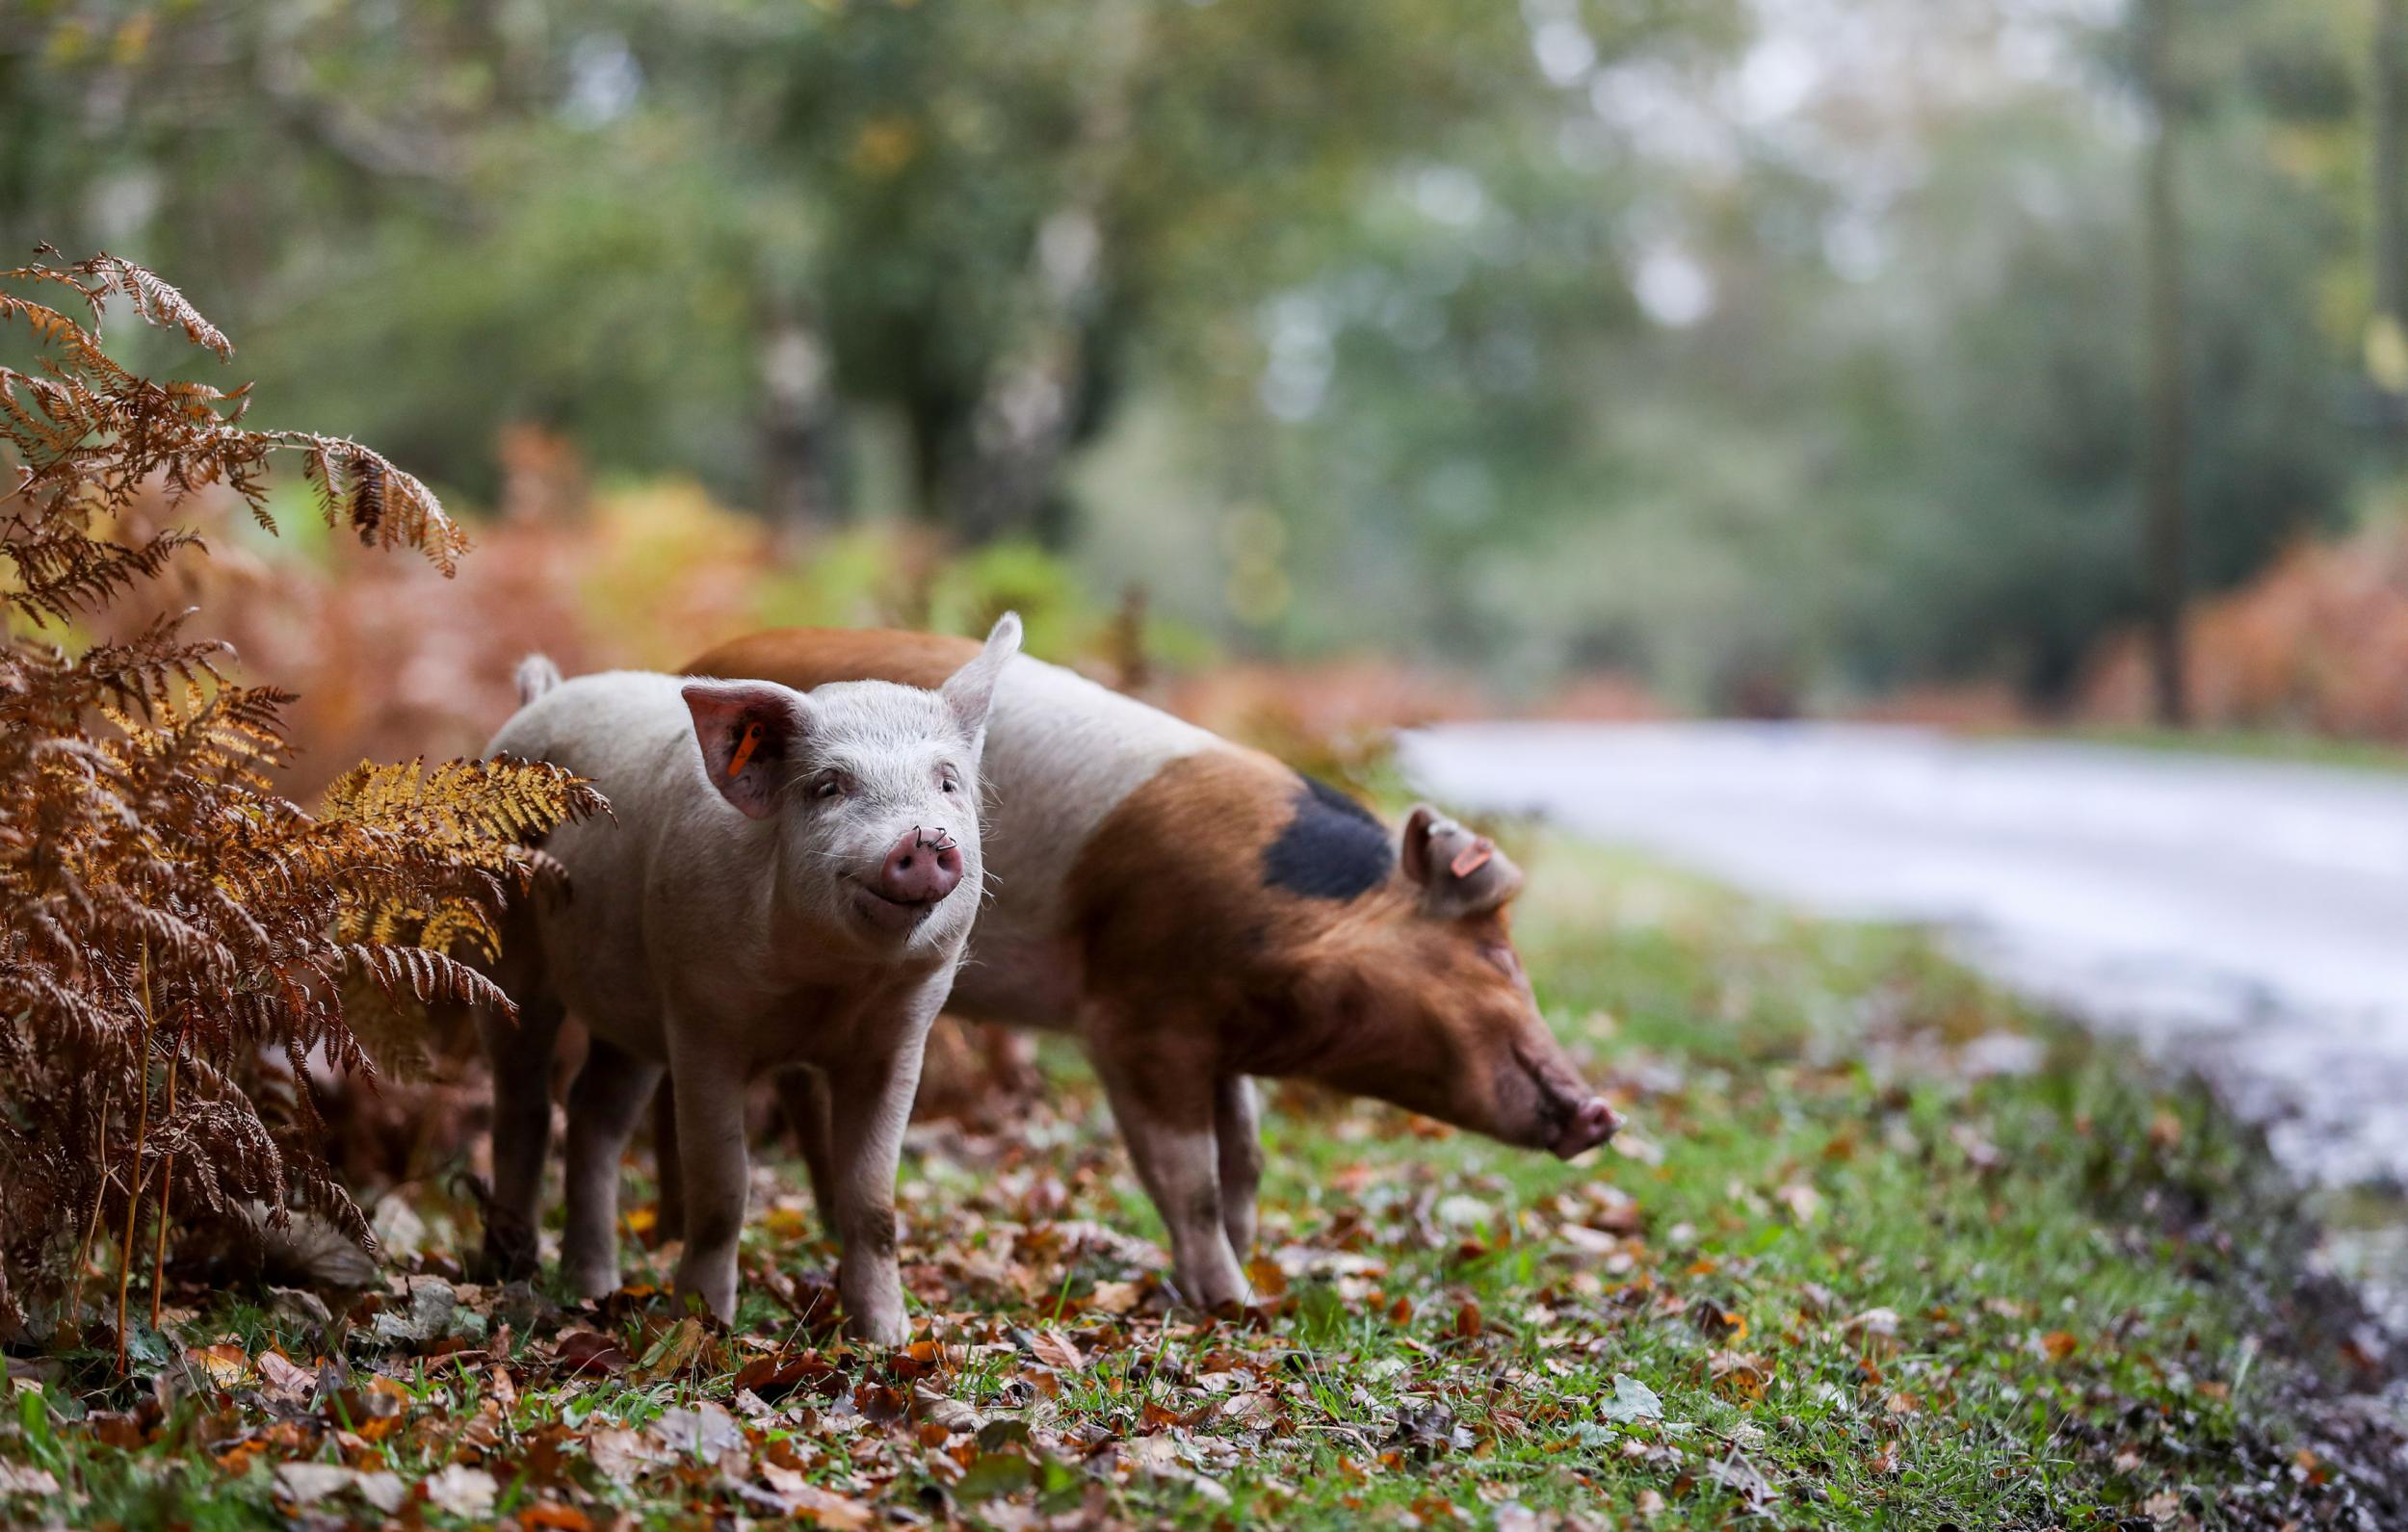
x=1166, y=1109
x=520, y=1053
x=603, y=1105
x=669, y=1172
x=803, y=1096
x=1237, y=1129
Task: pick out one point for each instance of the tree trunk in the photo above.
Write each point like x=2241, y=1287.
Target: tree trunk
x=2165, y=516
x=2386, y=349
x=794, y=433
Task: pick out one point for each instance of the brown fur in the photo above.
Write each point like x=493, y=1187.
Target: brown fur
x=1362, y=995
x=803, y=657
x=1193, y=970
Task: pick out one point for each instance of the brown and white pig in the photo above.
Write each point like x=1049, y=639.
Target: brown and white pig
x=788, y=879
x=1198, y=914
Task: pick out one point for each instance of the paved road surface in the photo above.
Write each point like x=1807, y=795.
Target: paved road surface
x=2250, y=919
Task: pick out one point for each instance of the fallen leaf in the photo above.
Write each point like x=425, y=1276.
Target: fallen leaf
x=1739, y=1375
x=306, y=1484
x=223, y=1366
x=1055, y=1349
x=283, y=1379
x=382, y=1490
x=462, y=1492
x=828, y=1509
x=706, y=1431
x=1632, y=1400
x=1114, y=1297
x=674, y=1353
x=623, y=1455
x=1803, y=1201
x=591, y=1353
x=433, y=1304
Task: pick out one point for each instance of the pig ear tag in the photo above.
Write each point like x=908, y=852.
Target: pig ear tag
x=1472, y=858
x=745, y=744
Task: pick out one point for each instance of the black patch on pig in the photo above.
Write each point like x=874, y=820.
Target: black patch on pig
x=1332, y=849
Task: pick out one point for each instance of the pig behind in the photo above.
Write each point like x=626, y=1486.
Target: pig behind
x=789, y=880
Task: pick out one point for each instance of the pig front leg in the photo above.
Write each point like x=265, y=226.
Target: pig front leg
x=603, y=1105
x=709, y=1084
x=867, y=1105
x=1238, y=1130
x=1166, y=1110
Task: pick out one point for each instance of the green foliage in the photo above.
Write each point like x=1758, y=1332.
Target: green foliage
x=1322, y=321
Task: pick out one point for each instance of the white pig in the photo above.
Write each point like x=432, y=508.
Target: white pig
x=788, y=879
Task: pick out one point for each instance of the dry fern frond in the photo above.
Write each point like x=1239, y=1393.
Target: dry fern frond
x=164, y=914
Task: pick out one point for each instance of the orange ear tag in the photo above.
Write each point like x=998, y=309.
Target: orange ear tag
x=1472, y=858
x=745, y=746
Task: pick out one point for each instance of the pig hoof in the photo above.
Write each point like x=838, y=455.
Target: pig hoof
x=592, y=1284
x=879, y=1330
x=510, y=1253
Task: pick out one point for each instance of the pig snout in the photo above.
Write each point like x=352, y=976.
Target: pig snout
x=923, y=868
x=1591, y=1122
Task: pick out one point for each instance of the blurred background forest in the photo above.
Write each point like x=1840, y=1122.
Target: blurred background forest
x=1588, y=355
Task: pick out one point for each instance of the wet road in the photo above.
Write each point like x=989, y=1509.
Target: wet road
x=2248, y=919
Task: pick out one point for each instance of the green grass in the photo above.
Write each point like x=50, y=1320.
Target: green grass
x=1890, y=1292
x=2251, y=744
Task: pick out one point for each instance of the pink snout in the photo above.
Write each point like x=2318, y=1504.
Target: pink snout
x=1590, y=1123
x=922, y=868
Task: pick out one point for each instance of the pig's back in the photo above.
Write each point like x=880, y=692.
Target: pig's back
x=630, y=733
x=1062, y=754
x=623, y=729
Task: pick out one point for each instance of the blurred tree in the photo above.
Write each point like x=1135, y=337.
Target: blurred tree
x=2165, y=516
x=1773, y=351
x=974, y=214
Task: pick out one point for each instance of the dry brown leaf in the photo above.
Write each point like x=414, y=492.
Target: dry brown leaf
x=1114, y=1297
x=284, y=1380
x=224, y=1366
x=1056, y=1350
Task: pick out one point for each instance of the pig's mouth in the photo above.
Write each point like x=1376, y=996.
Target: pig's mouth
x=894, y=917
x=1571, y=1121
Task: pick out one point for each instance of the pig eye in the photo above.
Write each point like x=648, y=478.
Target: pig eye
x=831, y=786
x=947, y=781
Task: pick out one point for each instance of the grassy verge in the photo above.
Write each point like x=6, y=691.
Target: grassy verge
x=2248, y=744
x=1884, y=1250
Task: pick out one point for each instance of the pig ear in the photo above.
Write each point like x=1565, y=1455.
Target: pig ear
x=970, y=690
x=748, y=730
x=1460, y=873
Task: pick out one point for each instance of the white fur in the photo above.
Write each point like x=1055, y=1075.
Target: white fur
x=724, y=944
x=1062, y=754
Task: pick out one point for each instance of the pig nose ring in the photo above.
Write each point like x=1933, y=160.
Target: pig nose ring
x=936, y=840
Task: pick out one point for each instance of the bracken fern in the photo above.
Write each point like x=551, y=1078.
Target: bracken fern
x=165, y=917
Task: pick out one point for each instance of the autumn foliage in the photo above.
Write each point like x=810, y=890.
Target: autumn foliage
x=2317, y=644
x=165, y=917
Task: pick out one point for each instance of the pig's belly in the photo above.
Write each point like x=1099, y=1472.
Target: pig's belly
x=1017, y=979
x=609, y=987
x=593, y=942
